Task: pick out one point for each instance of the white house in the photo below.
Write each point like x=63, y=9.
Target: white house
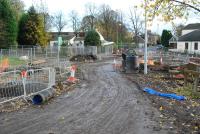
x=189, y=41
x=77, y=42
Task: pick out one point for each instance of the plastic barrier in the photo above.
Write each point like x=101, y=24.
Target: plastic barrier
x=72, y=78
x=166, y=95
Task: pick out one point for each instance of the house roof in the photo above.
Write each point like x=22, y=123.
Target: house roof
x=66, y=35
x=192, y=36
x=192, y=26
x=173, y=39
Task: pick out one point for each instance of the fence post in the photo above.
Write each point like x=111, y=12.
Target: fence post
x=28, y=54
x=58, y=56
x=34, y=52
x=46, y=53
x=23, y=75
x=51, y=77
x=31, y=55
x=49, y=85
x=22, y=51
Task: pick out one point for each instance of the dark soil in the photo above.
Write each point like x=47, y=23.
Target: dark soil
x=184, y=115
x=84, y=58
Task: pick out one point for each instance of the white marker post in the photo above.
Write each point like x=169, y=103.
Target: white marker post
x=59, y=44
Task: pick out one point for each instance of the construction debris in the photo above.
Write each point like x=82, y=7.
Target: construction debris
x=84, y=58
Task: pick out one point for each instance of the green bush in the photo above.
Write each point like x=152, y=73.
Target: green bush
x=92, y=39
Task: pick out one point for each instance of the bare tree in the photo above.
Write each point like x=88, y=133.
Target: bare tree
x=42, y=9
x=74, y=20
x=136, y=23
x=59, y=21
x=87, y=23
x=106, y=19
x=91, y=13
x=177, y=29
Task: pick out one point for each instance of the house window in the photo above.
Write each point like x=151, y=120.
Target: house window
x=175, y=45
x=186, y=46
x=196, y=46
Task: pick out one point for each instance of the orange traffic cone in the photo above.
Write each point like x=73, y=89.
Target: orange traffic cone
x=72, y=78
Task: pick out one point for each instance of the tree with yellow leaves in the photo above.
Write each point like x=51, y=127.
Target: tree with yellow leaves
x=172, y=9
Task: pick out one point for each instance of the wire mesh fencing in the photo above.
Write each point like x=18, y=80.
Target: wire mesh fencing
x=11, y=86
x=38, y=80
x=17, y=84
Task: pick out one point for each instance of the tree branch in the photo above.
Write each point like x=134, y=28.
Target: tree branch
x=188, y=5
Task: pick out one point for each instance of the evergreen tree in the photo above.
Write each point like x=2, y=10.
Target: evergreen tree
x=166, y=36
x=8, y=25
x=31, y=29
x=92, y=38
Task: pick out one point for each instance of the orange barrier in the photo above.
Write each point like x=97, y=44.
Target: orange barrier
x=4, y=65
x=24, y=74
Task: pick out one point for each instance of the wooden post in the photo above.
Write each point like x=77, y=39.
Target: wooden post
x=185, y=78
x=196, y=81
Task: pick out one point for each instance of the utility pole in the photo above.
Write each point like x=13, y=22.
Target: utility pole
x=146, y=39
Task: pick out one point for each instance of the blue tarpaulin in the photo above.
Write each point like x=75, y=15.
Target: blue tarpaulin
x=167, y=95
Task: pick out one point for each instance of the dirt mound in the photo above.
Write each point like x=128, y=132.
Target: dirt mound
x=84, y=58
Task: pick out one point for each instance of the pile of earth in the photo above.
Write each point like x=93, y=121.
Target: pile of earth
x=84, y=58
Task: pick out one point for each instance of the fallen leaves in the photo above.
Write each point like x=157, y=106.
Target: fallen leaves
x=14, y=105
x=161, y=108
x=184, y=114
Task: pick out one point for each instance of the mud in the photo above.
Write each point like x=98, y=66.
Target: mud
x=103, y=102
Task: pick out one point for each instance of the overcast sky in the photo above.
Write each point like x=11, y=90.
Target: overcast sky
x=79, y=5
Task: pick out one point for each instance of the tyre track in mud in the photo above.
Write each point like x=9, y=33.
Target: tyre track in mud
x=104, y=103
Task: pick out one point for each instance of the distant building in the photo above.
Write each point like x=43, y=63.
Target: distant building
x=189, y=41
x=173, y=42
x=190, y=28
x=153, y=39
x=66, y=36
x=78, y=40
x=140, y=41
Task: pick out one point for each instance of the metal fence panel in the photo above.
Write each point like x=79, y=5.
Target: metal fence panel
x=11, y=86
x=39, y=80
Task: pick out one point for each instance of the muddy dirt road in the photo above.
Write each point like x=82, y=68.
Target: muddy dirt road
x=103, y=103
